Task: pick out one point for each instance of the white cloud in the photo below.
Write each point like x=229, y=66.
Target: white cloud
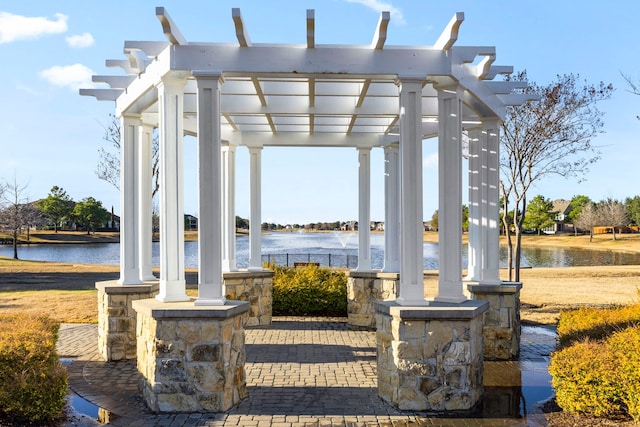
x=380, y=6
x=18, y=27
x=80, y=40
x=74, y=76
x=430, y=161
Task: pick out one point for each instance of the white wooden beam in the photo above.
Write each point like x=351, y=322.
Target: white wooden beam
x=311, y=29
x=494, y=70
x=115, y=82
x=170, y=29
x=505, y=87
x=380, y=36
x=120, y=63
x=484, y=66
x=102, y=94
x=468, y=54
x=150, y=48
x=241, y=31
x=450, y=33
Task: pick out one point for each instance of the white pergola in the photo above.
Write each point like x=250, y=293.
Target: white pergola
x=264, y=95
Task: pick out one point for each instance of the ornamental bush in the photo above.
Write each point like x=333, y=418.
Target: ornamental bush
x=309, y=290
x=33, y=383
x=597, y=370
x=594, y=323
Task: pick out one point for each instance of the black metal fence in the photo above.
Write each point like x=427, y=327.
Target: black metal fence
x=324, y=260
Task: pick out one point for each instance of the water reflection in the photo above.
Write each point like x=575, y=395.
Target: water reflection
x=322, y=244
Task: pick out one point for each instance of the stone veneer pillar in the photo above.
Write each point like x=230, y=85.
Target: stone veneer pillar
x=501, y=329
x=191, y=358
x=255, y=287
x=430, y=358
x=364, y=289
x=117, y=319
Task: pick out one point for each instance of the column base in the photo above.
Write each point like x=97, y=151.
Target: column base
x=191, y=359
x=430, y=358
x=255, y=287
x=117, y=319
x=501, y=328
x=364, y=289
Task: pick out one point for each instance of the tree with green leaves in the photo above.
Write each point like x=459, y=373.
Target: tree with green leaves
x=576, y=205
x=57, y=207
x=548, y=137
x=633, y=209
x=540, y=214
x=90, y=213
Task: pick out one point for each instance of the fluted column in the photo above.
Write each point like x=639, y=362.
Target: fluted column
x=210, y=284
x=411, y=225
x=391, y=209
x=170, y=118
x=475, y=232
x=255, y=209
x=490, y=206
x=364, y=209
x=450, y=195
x=129, y=199
x=145, y=199
x=228, y=207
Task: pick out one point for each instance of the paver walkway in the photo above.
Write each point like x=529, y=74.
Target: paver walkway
x=300, y=372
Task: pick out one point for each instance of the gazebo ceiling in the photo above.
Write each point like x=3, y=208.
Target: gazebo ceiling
x=326, y=95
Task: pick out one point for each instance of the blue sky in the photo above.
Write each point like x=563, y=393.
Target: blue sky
x=49, y=135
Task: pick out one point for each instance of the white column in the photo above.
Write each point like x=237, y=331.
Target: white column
x=450, y=196
x=228, y=207
x=255, y=208
x=170, y=128
x=490, y=207
x=364, y=209
x=411, y=224
x=145, y=198
x=129, y=175
x=475, y=232
x=391, y=210
x=210, y=287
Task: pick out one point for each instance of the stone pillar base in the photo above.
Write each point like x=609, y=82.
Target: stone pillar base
x=191, y=358
x=117, y=319
x=501, y=328
x=430, y=357
x=255, y=287
x=364, y=289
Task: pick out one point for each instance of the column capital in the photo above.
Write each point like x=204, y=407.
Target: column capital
x=408, y=78
x=208, y=75
x=173, y=79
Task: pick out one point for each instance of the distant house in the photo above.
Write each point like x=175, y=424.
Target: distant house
x=349, y=226
x=561, y=208
x=190, y=222
x=377, y=226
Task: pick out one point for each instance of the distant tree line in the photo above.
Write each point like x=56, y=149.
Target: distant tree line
x=57, y=211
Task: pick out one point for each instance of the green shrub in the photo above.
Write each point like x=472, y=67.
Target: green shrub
x=581, y=378
x=309, y=290
x=597, y=372
x=33, y=383
x=595, y=323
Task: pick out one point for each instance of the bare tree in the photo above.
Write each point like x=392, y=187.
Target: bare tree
x=634, y=86
x=108, y=168
x=551, y=136
x=17, y=211
x=589, y=217
x=614, y=214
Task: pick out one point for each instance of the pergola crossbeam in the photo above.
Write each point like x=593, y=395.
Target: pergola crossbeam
x=380, y=36
x=241, y=32
x=170, y=29
x=311, y=29
x=450, y=33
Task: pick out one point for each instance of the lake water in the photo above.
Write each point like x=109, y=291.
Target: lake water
x=336, y=249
